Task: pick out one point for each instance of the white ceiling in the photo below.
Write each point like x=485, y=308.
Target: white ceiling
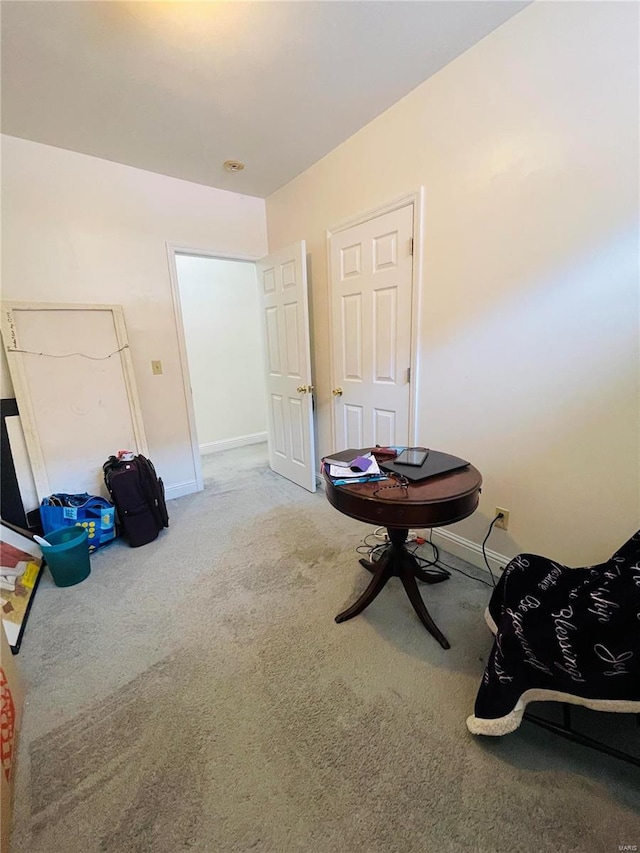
x=179, y=87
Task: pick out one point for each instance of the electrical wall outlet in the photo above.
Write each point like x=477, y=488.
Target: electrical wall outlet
x=156, y=367
x=502, y=523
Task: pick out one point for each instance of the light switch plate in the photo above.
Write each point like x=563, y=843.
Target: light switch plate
x=156, y=367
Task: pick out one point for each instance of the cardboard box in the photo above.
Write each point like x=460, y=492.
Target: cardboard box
x=11, y=698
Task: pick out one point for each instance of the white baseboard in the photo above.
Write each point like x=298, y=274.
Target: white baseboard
x=230, y=443
x=468, y=550
x=178, y=490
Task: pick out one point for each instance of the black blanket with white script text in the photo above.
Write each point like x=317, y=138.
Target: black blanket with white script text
x=576, y=631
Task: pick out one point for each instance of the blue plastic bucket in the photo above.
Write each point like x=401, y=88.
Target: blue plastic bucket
x=68, y=555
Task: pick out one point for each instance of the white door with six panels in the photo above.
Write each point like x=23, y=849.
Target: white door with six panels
x=371, y=278
x=285, y=322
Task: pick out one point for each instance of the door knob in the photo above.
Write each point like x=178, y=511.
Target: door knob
x=303, y=389
x=337, y=392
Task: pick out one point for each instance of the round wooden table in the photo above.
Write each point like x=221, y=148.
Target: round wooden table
x=435, y=502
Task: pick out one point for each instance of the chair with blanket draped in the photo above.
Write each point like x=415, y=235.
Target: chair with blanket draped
x=562, y=634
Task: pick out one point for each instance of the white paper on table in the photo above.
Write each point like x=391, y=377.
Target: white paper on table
x=345, y=473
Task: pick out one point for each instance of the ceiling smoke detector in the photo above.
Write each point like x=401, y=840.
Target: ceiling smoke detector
x=233, y=165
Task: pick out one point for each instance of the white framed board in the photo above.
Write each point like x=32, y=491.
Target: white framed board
x=73, y=379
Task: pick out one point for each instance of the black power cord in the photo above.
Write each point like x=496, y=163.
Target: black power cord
x=373, y=552
x=484, y=553
x=437, y=565
x=434, y=566
x=471, y=577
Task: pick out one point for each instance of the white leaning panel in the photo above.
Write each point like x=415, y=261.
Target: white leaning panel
x=73, y=379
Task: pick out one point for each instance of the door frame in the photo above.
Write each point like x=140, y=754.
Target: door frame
x=413, y=199
x=174, y=249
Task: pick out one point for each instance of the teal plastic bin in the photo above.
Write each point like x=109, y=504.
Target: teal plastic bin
x=68, y=555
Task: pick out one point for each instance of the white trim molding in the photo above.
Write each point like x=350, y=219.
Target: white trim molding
x=230, y=443
x=386, y=207
x=179, y=490
x=174, y=249
x=467, y=550
x=182, y=249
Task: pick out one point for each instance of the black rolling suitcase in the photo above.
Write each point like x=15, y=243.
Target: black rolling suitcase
x=138, y=495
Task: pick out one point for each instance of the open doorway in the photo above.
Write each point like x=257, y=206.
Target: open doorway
x=220, y=313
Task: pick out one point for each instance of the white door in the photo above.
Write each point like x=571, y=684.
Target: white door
x=285, y=319
x=371, y=284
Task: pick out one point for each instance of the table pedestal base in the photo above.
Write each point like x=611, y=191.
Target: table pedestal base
x=396, y=561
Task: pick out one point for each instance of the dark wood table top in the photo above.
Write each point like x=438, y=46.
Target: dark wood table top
x=435, y=502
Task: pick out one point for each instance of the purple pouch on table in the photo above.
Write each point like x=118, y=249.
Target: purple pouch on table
x=361, y=463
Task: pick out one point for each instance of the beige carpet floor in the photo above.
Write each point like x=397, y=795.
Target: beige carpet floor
x=196, y=695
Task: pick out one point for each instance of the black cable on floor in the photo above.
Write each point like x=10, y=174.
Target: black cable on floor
x=436, y=564
x=472, y=577
x=372, y=552
x=456, y=569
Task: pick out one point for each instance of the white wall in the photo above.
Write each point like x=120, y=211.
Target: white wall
x=527, y=147
x=221, y=316
x=79, y=229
